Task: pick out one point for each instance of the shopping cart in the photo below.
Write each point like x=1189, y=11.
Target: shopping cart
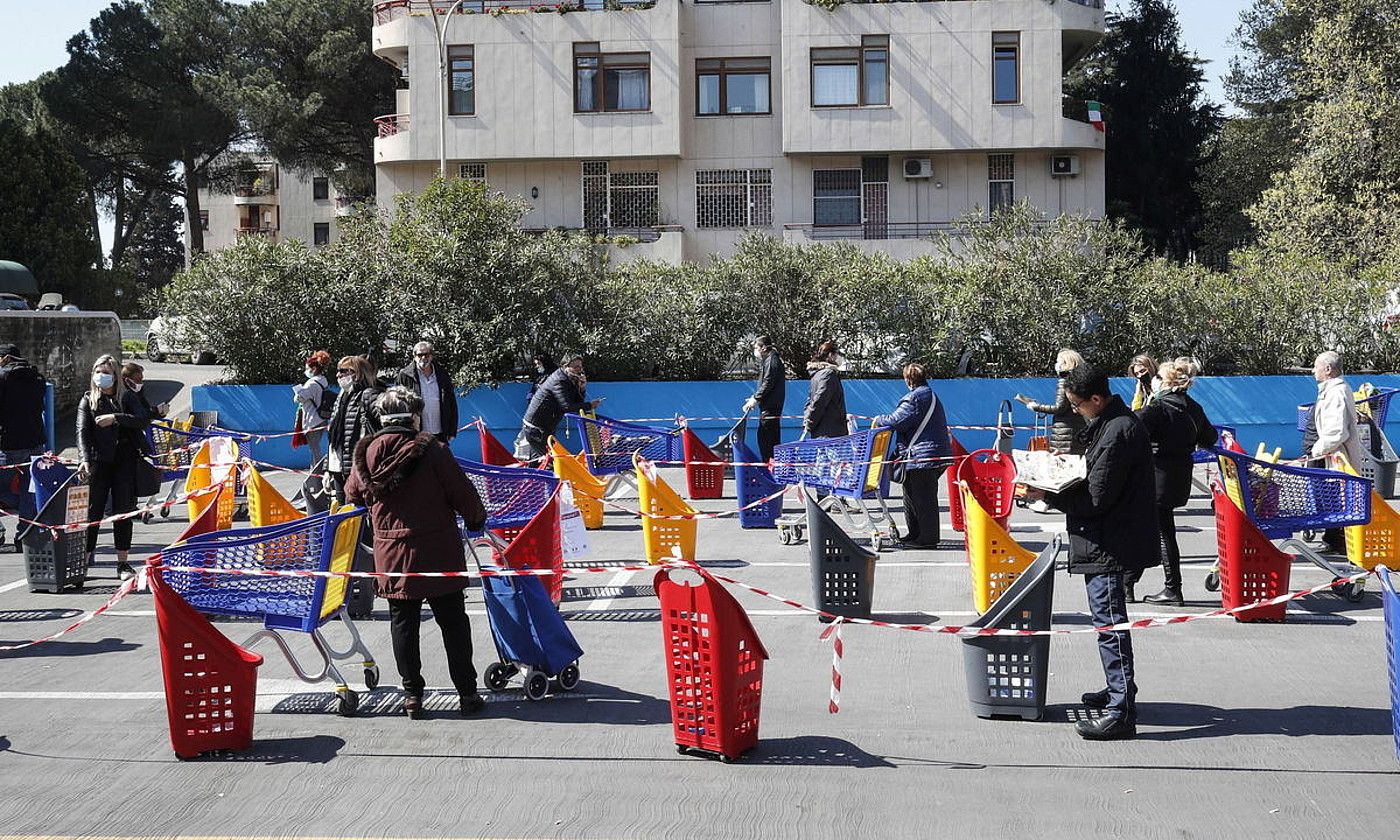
x=175, y=446
x=512, y=495
x=990, y=475
x=704, y=471
x=1371, y=401
x=609, y=444
x=850, y=471
x=1207, y=457
x=1391, y=606
x=589, y=490
x=530, y=635
x=493, y=452
x=318, y=543
x=1283, y=499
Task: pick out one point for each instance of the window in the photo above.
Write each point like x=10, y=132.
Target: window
x=611, y=81
x=1001, y=182
x=848, y=77
x=619, y=199
x=472, y=172
x=1006, y=68
x=203, y=219
x=734, y=198
x=461, y=87
x=732, y=86
x=836, y=196
x=321, y=234
x=320, y=189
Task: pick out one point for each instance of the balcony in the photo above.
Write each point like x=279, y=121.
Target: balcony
x=661, y=242
x=345, y=204
x=390, y=125
x=392, y=143
x=255, y=187
x=261, y=230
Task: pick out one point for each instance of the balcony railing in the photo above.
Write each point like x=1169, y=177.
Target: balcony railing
x=391, y=124
x=389, y=10
x=641, y=234
x=261, y=230
x=886, y=230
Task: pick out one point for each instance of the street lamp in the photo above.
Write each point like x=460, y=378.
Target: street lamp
x=440, y=30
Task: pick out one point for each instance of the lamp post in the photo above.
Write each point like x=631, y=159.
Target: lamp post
x=440, y=30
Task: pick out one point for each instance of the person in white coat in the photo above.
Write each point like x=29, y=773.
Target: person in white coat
x=1334, y=415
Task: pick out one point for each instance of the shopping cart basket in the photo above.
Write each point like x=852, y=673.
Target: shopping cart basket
x=512, y=495
x=609, y=444
x=318, y=543
x=176, y=448
x=1369, y=400
x=589, y=490
x=1392, y=648
x=530, y=635
x=990, y=476
x=493, y=452
x=850, y=471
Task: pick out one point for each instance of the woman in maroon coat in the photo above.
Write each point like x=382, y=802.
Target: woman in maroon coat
x=414, y=491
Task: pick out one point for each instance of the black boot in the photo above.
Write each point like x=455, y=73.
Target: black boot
x=1106, y=728
x=1095, y=699
x=1167, y=597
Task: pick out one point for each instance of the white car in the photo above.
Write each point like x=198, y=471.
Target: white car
x=167, y=336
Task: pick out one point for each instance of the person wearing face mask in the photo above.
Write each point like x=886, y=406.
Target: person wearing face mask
x=562, y=392
x=825, y=414
x=1143, y=369
x=769, y=397
x=22, y=433
x=353, y=417
x=110, y=443
x=315, y=403
x=541, y=373
x=433, y=384
x=134, y=378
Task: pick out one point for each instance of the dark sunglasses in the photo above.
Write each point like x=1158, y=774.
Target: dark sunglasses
x=344, y=370
x=423, y=355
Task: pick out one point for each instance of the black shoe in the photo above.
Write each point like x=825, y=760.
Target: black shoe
x=1106, y=728
x=914, y=545
x=124, y=570
x=1128, y=594
x=1095, y=699
x=472, y=703
x=413, y=707
x=1167, y=597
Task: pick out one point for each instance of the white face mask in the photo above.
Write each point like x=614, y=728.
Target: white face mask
x=757, y=353
x=308, y=373
x=135, y=386
x=345, y=381
x=103, y=380
x=840, y=362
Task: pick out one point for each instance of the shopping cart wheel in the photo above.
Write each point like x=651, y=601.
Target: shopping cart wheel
x=568, y=678
x=1213, y=582
x=165, y=512
x=1353, y=592
x=785, y=535
x=347, y=702
x=498, y=675
x=147, y=517
x=725, y=759
x=536, y=685
x=372, y=677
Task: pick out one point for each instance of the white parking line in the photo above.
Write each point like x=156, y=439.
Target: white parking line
x=15, y=585
x=81, y=695
x=605, y=602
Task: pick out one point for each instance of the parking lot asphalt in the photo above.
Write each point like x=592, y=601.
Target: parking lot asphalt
x=1246, y=730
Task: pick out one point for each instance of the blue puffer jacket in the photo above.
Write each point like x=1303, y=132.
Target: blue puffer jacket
x=905, y=420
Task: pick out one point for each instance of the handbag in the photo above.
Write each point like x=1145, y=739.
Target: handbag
x=1040, y=441
x=1006, y=429
x=148, y=478
x=298, y=435
x=899, y=467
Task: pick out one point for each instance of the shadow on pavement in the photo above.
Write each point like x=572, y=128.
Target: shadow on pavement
x=589, y=593
x=311, y=749
x=38, y=615
x=812, y=751
x=61, y=648
x=1195, y=721
x=639, y=615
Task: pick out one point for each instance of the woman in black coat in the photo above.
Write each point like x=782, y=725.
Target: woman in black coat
x=110, y=444
x=353, y=417
x=825, y=415
x=1177, y=425
x=1066, y=424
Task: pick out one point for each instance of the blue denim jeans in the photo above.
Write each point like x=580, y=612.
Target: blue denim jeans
x=1108, y=605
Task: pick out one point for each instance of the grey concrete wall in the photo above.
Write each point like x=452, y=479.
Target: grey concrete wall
x=63, y=345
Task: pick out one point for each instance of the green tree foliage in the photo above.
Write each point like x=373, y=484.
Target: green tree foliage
x=1158, y=123
x=304, y=80
x=43, y=217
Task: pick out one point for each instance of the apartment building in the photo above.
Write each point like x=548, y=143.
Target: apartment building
x=269, y=200
x=688, y=123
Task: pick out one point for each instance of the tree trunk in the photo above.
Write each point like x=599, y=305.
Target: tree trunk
x=191, y=178
x=96, y=222
x=119, y=231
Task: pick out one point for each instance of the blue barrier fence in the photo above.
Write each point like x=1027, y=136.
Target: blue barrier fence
x=1262, y=408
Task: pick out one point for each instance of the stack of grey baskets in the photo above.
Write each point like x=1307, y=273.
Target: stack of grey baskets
x=843, y=573
x=1007, y=675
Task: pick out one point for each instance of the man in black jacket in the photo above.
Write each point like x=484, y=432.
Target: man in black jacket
x=433, y=384
x=1112, y=523
x=21, y=428
x=562, y=392
x=772, y=390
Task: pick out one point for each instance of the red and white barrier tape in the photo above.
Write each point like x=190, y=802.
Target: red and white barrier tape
x=697, y=516
x=838, y=649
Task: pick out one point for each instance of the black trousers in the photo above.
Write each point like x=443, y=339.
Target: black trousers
x=921, y=505
x=1171, y=552
x=770, y=434
x=116, y=481
x=450, y=612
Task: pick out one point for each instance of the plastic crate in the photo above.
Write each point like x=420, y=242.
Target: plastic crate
x=512, y=496
x=714, y=667
x=752, y=483
x=663, y=538
x=991, y=477
x=58, y=560
x=702, y=480
x=994, y=558
x=1380, y=462
x=1391, y=602
x=1251, y=568
x=1283, y=499
x=211, y=684
x=1007, y=675
x=843, y=573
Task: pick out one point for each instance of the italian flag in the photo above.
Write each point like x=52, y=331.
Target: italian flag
x=1095, y=115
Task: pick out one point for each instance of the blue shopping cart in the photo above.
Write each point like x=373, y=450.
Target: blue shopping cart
x=608, y=444
x=173, y=445
x=851, y=472
x=1392, y=648
x=512, y=495
x=318, y=543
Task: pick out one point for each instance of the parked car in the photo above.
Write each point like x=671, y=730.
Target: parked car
x=169, y=336
x=9, y=301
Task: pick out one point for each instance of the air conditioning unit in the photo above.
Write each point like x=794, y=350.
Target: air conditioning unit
x=1064, y=166
x=915, y=168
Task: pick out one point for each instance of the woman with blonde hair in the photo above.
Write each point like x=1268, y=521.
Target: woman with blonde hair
x=1066, y=424
x=1177, y=425
x=110, y=443
x=1143, y=369
x=352, y=417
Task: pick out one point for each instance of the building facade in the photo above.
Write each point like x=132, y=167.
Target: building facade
x=269, y=200
x=687, y=124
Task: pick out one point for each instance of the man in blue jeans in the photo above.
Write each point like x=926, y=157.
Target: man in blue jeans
x=1112, y=523
x=21, y=429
